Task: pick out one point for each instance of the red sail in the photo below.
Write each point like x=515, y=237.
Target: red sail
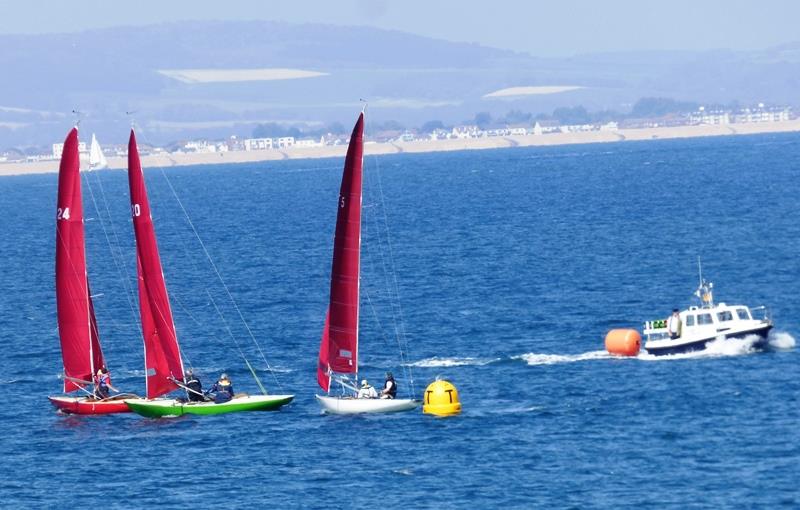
x=77, y=328
x=340, y=352
x=162, y=354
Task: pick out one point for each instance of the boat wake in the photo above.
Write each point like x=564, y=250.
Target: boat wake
x=778, y=341
x=533, y=358
x=436, y=362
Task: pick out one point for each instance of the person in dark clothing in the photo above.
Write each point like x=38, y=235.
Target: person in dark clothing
x=222, y=391
x=389, y=387
x=194, y=388
x=102, y=384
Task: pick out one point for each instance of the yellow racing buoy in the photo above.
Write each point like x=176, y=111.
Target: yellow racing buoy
x=441, y=399
x=623, y=342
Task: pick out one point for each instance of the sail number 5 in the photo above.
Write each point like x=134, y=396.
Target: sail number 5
x=62, y=214
x=136, y=210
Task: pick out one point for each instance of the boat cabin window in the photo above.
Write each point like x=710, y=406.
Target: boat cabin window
x=704, y=318
x=725, y=316
x=743, y=314
x=690, y=320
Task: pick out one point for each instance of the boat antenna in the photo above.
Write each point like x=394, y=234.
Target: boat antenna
x=133, y=121
x=364, y=108
x=77, y=115
x=700, y=270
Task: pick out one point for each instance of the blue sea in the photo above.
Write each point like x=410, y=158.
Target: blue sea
x=502, y=269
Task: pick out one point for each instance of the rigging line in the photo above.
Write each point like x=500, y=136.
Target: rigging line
x=239, y=348
x=116, y=255
x=402, y=338
x=216, y=271
x=381, y=329
x=393, y=294
x=93, y=327
x=393, y=297
x=185, y=309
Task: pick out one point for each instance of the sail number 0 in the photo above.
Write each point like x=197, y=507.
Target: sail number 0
x=136, y=210
x=62, y=214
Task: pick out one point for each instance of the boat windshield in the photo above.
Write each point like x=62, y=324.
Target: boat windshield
x=725, y=316
x=743, y=314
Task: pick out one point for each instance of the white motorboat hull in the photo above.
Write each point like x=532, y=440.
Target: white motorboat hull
x=348, y=405
x=686, y=344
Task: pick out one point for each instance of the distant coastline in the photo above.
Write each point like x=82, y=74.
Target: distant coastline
x=498, y=142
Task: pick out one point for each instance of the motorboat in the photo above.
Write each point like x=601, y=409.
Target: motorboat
x=710, y=322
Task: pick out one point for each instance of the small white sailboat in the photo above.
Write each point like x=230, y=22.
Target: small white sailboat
x=97, y=160
x=338, y=353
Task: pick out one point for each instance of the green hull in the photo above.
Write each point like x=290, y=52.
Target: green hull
x=160, y=408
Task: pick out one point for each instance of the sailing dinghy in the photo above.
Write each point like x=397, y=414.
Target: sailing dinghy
x=97, y=160
x=163, y=363
x=77, y=326
x=338, y=352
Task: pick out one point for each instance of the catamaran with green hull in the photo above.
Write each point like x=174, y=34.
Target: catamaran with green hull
x=163, y=363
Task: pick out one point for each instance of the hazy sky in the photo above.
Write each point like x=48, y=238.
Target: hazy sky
x=542, y=28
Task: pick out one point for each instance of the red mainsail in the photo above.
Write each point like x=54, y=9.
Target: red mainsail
x=339, y=345
x=161, y=352
x=77, y=327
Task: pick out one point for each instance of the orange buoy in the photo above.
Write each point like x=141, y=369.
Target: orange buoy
x=623, y=342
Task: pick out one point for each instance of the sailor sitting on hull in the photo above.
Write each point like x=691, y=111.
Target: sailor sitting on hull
x=674, y=324
x=102, y=384
x=389, y=387
x=367, y=390
x=222, y=391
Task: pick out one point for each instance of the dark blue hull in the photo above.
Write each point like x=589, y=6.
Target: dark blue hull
x=701, y=344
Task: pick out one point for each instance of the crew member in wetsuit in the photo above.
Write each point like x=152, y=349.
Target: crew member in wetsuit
x=222, y=391
x=389, y=387
x=194, y=388
x=102, y=384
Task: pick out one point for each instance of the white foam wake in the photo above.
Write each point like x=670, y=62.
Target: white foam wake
x=533, y=358
x=435, y=362
x=781, y=341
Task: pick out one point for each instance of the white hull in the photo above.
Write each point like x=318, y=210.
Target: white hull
x=339, y=405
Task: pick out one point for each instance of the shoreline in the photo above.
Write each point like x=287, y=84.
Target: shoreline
x=423, y=146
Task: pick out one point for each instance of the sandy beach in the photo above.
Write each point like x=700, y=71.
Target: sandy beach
x=659, y=133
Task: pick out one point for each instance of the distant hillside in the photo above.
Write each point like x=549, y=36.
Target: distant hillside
x=105, y=73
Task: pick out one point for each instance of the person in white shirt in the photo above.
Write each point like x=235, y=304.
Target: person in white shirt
x=367, y=391
x=674, y=324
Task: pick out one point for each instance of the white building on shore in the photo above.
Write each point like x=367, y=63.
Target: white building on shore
x=58, y=149
x=258, y=144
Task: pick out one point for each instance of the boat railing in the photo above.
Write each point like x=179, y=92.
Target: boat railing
x=763, y=315
x=655, y=325
x=656, y=330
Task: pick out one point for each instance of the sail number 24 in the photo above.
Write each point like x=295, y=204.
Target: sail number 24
x=62, y=213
